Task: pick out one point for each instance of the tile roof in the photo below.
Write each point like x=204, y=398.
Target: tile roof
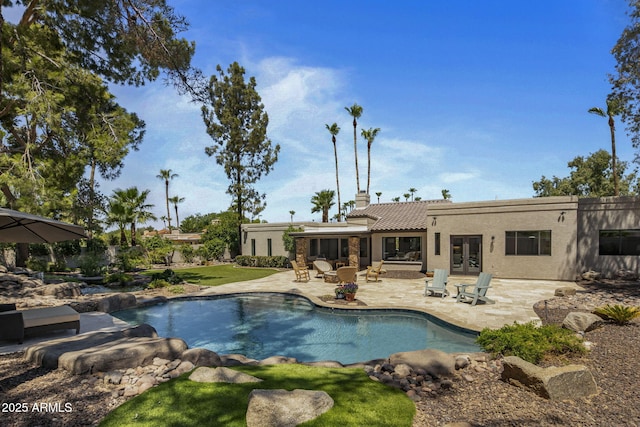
x=396, y=216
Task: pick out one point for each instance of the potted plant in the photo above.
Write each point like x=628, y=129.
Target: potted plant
x=339, y=292
x=349, y=290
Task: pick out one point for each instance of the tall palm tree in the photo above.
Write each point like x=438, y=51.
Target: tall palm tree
x=292, y=213
x=614, y=108
x=355, y=111
x=369, y=134
x=175, y=200
x=412, y=191
x=323, y=201
x=334, y=130
x=166, y=176
x=133, y=207
x=378, y=193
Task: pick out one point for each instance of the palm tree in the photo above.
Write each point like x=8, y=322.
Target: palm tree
x=175, y=200
x=378, y=193
x=163, y=218
x=334, y=130
x=322, y=202
x=412, y=190
x=132, y=206
x=395, y=199
x=356, y=111
x=406, y=197
x=613, y=109
x=369, y=135
x=166, y=176
x=445, y=194
x=292, y=213
x=117, y=214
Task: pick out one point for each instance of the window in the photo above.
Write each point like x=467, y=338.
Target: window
x=437, y=244
x=253, y=247
x=528, y=242
x=269, y=248
x=401, y=248
x=619, y=242
x=364, y=245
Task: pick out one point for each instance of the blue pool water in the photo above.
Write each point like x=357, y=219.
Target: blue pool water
x=263, y=325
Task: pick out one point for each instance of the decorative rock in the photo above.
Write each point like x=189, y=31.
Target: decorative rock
x=434, y=362
x=201, y=357
x=591, y=275
x=278, y=360
x=116, y=302
x=581, y=322
x=221, y=375
x=555, y=383
x=236, y=360
x=403, y=370
x=462, y=362
x=284, y=408
x=565, y=291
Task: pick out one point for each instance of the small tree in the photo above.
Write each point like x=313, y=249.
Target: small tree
x=288, y=240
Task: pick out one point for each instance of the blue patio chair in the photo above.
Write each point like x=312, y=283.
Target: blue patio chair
x=479, y=292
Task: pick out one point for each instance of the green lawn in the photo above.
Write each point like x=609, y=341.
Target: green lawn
x=217, y=275
x=358, y=401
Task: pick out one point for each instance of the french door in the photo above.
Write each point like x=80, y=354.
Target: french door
x=466, y=255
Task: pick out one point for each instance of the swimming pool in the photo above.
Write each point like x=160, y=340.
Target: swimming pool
x=263, y=325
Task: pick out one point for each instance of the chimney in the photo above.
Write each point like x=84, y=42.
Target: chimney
x=362, y=200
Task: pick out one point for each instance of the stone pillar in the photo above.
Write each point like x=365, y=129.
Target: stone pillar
x=354, y=251
x=301, y=251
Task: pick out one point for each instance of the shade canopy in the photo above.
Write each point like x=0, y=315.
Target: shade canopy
x=20, y=227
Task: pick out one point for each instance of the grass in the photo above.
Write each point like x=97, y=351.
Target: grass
x=217, y=275
x=358, y=401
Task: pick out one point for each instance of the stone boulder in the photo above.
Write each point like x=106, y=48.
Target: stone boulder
x=555, y=383
x=283, y=408
x=61, y=290
x=591, y=275
x=564, y=291
x=626, y=275
x=221, y=375
x=278, y=360
x=116, y=302
x=119, y=354
x=435, y=363
x=581, y=321
x=201, y=357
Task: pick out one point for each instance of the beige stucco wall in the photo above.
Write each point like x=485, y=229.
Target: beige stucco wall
x=606, y=214
x=261, y=233
x=494, y=219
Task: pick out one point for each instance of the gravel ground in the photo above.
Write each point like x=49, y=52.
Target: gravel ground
x=484, y=401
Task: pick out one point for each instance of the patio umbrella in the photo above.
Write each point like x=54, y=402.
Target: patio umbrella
x=20, y=227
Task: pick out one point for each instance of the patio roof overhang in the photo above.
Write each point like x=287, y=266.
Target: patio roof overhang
x=332, y=231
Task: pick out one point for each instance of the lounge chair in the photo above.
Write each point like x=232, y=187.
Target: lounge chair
x=321, y=267
x=18, y=323
x=302, y=273
x=479, y=292
x=347, y=274
x=439, y=285
x=374, y=270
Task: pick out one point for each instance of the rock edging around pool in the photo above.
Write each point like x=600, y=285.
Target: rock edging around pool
x=135, y=359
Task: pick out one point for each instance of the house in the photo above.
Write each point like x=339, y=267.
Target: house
x=553, y=238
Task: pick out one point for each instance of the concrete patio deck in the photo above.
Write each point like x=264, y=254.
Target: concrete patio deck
x=514, y=301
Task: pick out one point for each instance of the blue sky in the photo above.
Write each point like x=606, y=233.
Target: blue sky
x=480, y=98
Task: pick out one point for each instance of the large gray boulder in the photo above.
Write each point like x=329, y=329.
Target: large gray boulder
x=436, y=363
x=221, y=375
x=121, y=354
x=282, y=408
x=201, y=357
x=555, y=383
x=116, y=302
x=581, y=321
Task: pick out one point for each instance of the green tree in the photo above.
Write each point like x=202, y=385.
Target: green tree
x=446, y=194
x=166, y=175
x=613, y=109
x=236, y=121
x=221, y=234
x=589, y=177
x=292, y=213
x=133, y=207
x=323, y=201
x=288, y=240
x=198, y=223
x=412, y=191
x=378, y=194
x=334, y=129
x=355, y=111
x=175, y=200
x=369, y=134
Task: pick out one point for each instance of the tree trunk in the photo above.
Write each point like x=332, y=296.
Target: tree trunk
x=166, y=197
x=355, y=150
x=612, y=128
x=335, y=153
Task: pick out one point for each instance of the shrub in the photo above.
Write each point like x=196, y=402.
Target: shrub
x=168, y=276
x=187, y=252
x=619, y=314
x=176, y=289
x=262, y=261
x=157, y=284
x=529, y=342
x=91, y=264
x=120, y=278
x=37, y=264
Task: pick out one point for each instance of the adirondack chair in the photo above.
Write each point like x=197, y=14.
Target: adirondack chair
x=439, y=285
x=374, y=270
x=302, y=273
x=478, y=293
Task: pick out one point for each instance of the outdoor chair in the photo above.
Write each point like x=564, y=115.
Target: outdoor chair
x=347, y=274
x=302, y=273
x=321, y=267
x=439, y=285
x=479, y=292
x=374, y=270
